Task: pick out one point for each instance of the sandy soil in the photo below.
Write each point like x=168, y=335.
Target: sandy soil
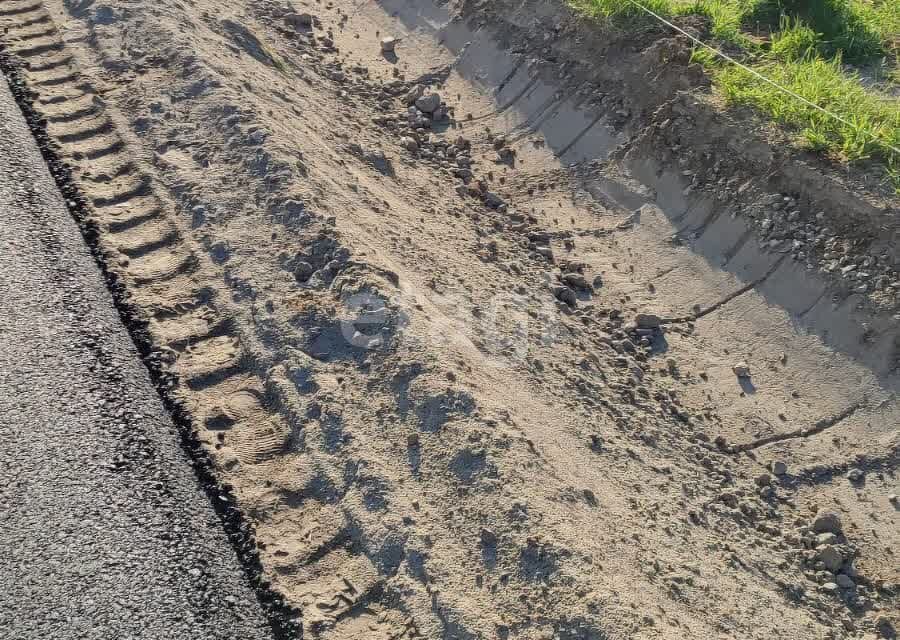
x=494, y=324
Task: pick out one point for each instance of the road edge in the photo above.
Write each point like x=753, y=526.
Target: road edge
x=240, y=533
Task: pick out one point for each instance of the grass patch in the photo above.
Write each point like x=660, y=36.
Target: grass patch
x=872, y=127
x=802, y=45
x=859, y=29
x=846, y=27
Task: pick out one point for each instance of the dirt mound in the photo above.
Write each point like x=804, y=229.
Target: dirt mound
x=502, y=330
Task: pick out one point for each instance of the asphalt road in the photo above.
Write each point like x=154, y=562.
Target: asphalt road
x=104, y=529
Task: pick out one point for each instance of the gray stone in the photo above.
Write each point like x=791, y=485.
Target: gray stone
x=729, y=499
x=884, y=627
x=388, y=45
x=564, y=294
x=830, y=587
x=830, y=557
x=827, y=522
x=492, y=200
x=299, y=20
x=844, y=581
x=576, y=281
x=779, y=468
x=429, y=103
x=257, y=137
x=825, y=538
x=303, y=270
x=855, y=475
x=413, y=94
x=647, y=321
x=741, y=370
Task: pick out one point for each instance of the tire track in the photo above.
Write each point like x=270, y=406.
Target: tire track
x=192, y=344
x=240, y=533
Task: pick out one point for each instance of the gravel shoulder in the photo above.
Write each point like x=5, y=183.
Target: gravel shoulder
x=105, y=531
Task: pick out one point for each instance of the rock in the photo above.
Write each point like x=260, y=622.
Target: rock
x=303, y=270
x=855, y=475
x=564, y=294
x=831, y=558
x=409, y=144
x=300, y=20
x=492, y=200
x=779, y=468
x=844, y=581
x=763, y=480
x=647, y=321
x=389, y=44
x=729, y=499
x=827, y=522
x=825, y=538
x=428, y=103
x=884, y=627
x=220, y=252
x=576, y=281
x=741, y=370
x=413, y=94
x=894, y=499
x=257, y=137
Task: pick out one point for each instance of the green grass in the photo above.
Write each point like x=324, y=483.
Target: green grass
x=860, y=29
x=847, y=26
x=802, y=45
x=872, y=124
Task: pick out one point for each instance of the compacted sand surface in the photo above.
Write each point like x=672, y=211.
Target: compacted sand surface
x=488, y=340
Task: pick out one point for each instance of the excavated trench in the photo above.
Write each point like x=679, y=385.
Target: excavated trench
x=406, y=343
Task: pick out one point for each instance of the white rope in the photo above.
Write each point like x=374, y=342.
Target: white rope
x=757, y=74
